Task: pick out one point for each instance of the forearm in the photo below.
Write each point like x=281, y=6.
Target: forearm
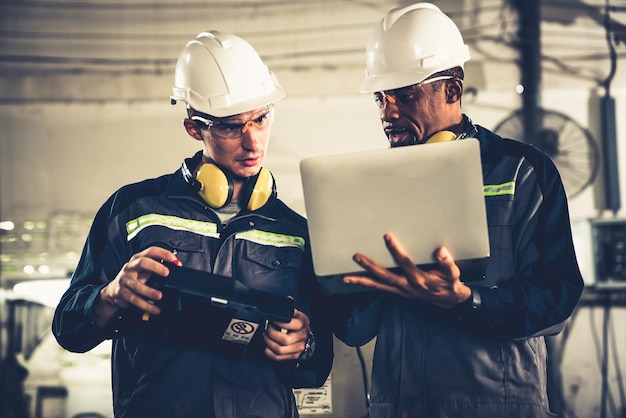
x=355, y=317
x=521, y=308
x=75, y=325
x=104, y=308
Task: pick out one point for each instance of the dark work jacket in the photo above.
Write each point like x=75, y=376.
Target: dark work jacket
x=432, y=362
x=155, y=375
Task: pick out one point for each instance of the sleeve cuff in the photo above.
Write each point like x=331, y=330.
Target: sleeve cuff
x=472, y=305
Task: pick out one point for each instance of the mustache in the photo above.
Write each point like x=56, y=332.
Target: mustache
x=391, y=129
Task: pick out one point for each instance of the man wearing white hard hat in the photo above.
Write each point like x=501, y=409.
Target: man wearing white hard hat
x=446, y=345
x=182, y=348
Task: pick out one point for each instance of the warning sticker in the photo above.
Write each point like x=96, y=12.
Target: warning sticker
x=316, y=401
x=240, y=331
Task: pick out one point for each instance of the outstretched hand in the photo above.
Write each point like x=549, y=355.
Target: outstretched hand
x=441, y=286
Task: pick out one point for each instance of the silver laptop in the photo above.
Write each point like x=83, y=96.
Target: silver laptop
x=426, y=195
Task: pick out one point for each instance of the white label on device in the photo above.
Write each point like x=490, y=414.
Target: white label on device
x=240, y=331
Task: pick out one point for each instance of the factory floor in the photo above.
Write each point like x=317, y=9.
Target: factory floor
x=61, y=384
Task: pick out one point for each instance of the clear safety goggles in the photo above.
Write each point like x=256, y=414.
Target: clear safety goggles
x=231, y=128
x=405, y=95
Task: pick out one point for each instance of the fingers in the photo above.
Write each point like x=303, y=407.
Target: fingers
x=413, y=274
x=286, y=341
x=375, y=284
x=150, y=259
x=135, y=292
x=447, y=265
x=411, y=281
x=384, y=279
x=399, y=254
x=299, y=322
x=129, y=286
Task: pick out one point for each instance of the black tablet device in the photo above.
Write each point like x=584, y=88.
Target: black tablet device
x=209, y=310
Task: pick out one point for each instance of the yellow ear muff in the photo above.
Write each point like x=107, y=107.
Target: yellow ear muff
x=441, y=136
x=260, y=189
x=216, y=188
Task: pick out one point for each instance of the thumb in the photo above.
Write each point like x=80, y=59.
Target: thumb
x=447, y=264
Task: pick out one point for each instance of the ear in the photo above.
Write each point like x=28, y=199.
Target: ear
x=454, y=90
x=192, y=129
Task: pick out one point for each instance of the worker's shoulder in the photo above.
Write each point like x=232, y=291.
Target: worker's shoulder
x=495, y=145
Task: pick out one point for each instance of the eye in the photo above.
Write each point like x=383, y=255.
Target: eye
x=405, y=97
x=230, y=127
x=378, y=99
x=262, y=118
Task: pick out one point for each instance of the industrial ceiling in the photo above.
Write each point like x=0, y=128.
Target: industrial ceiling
x=97, y=50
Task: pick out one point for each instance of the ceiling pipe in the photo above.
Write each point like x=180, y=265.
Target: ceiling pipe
x=529, y=45
x=608, y=126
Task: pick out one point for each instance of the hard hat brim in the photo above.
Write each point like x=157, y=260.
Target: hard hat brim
x=391, y=81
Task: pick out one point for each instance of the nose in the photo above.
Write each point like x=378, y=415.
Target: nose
x=389, y=111
x=250, y=124
x=251, y=139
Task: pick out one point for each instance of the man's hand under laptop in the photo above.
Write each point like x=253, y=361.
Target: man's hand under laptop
x=442, y=287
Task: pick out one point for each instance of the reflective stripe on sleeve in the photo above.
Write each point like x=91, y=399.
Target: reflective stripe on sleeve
x=499, y=189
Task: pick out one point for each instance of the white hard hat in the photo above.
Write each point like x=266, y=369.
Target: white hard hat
x=221, y=74
x=410, y=44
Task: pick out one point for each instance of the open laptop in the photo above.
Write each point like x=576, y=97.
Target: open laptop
x=426, y=195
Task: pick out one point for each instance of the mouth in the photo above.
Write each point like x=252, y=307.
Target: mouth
x=399, y=136
x=250, y=161
x=244, y=167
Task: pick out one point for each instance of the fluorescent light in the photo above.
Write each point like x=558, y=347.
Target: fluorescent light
x=7, y=226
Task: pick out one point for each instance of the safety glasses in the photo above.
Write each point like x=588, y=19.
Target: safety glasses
x=405, y=95
x=231, y=128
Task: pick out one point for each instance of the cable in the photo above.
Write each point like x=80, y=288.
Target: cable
x=606, y=395
x=604, y=363
x=567, y=409
x=140, y=5
x=612, y=53
x=366, y=389
x=618, y=369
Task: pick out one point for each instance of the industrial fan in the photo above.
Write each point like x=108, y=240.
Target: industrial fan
x=570, y=146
